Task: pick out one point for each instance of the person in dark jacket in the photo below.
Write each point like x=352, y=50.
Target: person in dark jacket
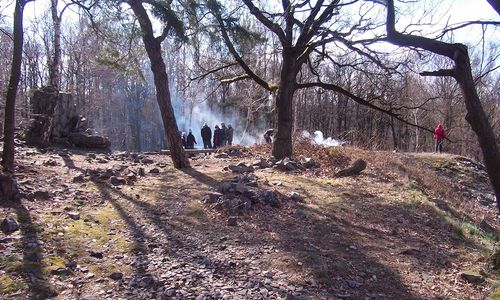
x=183, y=139
x=190, y=140
x=229, y=134
x=439, y=136
x=217, y=137
x=268, y=134
x=223, y=136
x=206, y=135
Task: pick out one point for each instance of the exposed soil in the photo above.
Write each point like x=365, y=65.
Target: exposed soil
x=406, y=228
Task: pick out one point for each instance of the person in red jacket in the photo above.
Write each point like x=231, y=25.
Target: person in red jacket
x=439, y=136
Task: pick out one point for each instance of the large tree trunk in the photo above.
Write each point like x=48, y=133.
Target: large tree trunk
x=10, y=101
x=478, y=120
x=283, y=115
x=153, y=48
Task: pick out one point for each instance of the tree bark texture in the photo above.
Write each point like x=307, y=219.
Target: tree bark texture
x=55, y=60
x=478, y=120
x=153, y=49
x=10, y=101
x=283, y=116
x=462, y=72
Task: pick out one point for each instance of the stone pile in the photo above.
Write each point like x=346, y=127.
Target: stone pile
x=240, y=195
x=287, y=164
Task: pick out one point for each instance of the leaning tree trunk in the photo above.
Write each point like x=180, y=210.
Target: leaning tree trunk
x=283, y=115
x=10, y=101
x=478, y=120
x=153, y=48
x=462, y=72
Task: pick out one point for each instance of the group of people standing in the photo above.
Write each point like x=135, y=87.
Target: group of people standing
x=222, y=136
x=189, y=140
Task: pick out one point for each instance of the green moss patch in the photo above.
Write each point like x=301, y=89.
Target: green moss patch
x=9, y=285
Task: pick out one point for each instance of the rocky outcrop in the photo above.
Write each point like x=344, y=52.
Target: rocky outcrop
x=56, y=121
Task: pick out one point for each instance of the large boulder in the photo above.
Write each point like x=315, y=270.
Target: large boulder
x=83, y=140
x=9, y=225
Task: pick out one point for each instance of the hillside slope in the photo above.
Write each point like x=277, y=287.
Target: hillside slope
x=128, y=226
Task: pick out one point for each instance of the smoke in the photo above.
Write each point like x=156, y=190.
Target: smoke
x=318, y=138
x=192, y=115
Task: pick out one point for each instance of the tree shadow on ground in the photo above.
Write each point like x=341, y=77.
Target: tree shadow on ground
x=32, y=269
x=322, y=246
x=139, y=236
x=361, y=230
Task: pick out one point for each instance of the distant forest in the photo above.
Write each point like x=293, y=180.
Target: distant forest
x=104, y=65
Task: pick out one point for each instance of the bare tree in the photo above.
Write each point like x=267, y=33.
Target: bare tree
x=10, y=100
x=303, y=30
x=153, y=49
x=462, y=73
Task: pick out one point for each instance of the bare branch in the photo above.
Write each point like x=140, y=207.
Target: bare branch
x=340, y=90
x=416, y=107
x=235, y=79
x=468, y=24
x=268, y=23
x=236, y=55
x=202, y=76
x=8, y=34
x=441, y=73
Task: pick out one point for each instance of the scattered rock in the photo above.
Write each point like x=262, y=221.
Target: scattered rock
x=51, y=163
x=116, y=276
x=268, y=274
x=232, y=221
x=299, y=214
x=410, y=251
x=146, y=281
x=308, y=162
x=141, y=172
x=296, y=197
x=211, y=197
x=74, y=215
x=117, y=180
x=96, y=254
x=79, y=179
x=61, y=271
x=41, y=195
x=9, y=225
x=71, y=264
x=261, y=163
x=352, y=284
x=240, y=168
x=154, y=171
x=270, y=198
x=221, y=155
x=147, y=161
x=472, y=278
